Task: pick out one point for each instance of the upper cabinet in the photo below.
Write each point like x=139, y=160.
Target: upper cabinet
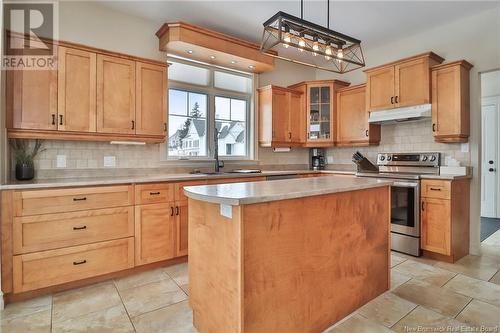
x=320, y=111
x=353, y=128
x=281, y=118
x=115, y=95
x=400, y=84
x=450, y=101
x=76, y=106
x=150, y=99
x=93, y=95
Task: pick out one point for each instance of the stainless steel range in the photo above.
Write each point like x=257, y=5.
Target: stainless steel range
x=405, y=169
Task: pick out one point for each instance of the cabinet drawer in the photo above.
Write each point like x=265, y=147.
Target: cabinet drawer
x=48, y=268
x=52, y=231
x=36, y=202
x=154, y=193
x=439, y=189
x=179, y=188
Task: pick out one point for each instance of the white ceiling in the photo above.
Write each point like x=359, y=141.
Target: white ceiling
x=374, y=22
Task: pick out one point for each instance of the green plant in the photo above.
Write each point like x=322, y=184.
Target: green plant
x=23, y=153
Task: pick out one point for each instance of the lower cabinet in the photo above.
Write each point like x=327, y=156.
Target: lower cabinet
x=444, y=215
x=182, y=228
x=155, y=226
x=43, y=269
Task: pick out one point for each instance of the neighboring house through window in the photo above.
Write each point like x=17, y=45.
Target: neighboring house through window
x=203, y=100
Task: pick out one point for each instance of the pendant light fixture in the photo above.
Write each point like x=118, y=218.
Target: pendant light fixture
x=306, y=43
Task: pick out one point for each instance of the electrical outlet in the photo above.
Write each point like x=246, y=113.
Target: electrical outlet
x=329, y=159
x=60, y=161
x=464, y=147
x=109, y=161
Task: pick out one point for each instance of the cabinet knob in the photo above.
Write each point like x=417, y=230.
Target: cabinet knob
x=176, y=210
x=396, y=99
x=434, y=127
x=490, y=162
x=492, y=170
x=366, y=133
x=171, y=211
x=392, y=99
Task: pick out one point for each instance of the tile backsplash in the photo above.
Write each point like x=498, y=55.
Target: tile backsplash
x=86, y=159
x=403, y=137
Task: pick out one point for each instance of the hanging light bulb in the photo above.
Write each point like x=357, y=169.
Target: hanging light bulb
x=328, y=51
x=315, y=46
x=302, y=43
x=340, y=53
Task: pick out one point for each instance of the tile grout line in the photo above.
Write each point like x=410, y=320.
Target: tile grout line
x=406, y=315
x=51, y=312
x=498, y=271
x=123, y=304
x=471, y=299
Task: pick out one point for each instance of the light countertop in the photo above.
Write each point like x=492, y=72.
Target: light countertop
x=173, y=177
x=256, y=192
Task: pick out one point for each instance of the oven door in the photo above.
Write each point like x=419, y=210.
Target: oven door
x=405, y=213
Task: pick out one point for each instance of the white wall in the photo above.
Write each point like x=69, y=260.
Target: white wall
x=475, y=38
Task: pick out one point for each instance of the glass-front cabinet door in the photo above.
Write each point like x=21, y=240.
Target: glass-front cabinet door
x=320, y=113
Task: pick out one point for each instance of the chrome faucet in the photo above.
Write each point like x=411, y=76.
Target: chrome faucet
x=218, y=164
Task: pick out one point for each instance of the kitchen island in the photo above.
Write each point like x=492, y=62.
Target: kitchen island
x=287, y=255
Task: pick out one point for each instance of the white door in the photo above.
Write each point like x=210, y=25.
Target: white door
x=490, y=179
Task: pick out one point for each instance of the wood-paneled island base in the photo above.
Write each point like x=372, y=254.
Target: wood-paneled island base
x=287, y=265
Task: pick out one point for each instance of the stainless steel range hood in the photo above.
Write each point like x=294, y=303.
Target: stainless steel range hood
x=412, y=113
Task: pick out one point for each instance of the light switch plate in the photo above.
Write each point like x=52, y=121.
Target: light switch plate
x=109, y=161
x=464, y=147
x=226, y=211
x=60, y=161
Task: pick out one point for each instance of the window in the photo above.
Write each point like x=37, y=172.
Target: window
x=204, y=100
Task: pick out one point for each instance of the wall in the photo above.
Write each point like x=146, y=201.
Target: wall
x=91, y=24
x=475, y=38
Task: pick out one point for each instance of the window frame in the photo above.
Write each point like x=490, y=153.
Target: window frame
x=213, y=92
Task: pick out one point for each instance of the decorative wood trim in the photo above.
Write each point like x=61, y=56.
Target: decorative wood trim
x=81, y=136
x=430, y=55
x=7, y=216
x=320, y=82
x=178, y=37
x=464, y=63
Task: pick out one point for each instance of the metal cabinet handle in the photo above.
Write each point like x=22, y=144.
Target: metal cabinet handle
x=434, y=127
x=80, y=199
x=492, y=170
x=423, y=206
x=79, y=262
x=171, y=211
x=53, y=119
x=154, y=193
x=164, y=127
x=392, y=100
x=60, y=119
x=366, y=133
x=176, y=210
x=133, y=124
x=396, y=99
x=490, y=162
x=434, y=189
x=290, y=135
x=80, y=228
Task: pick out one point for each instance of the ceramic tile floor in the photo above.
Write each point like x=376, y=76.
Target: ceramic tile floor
x=425, y=296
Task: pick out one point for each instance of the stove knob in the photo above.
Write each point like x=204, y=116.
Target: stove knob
x=382, y=157
x=424, y=158
x=389, y=158
x=433, y=158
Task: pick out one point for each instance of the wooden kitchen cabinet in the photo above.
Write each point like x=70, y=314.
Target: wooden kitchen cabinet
x=353, y=128
x=76, y=107
x=31, y=99
x=115, y=95
x=281, y=118
x=401, y=83
x=150, y=110
x=320, y=110
x=155, y=233
x=444, y=216
x=181, y=217
x=451, y=101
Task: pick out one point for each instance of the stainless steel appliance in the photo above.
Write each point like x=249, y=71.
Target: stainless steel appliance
x=405, y=170
x=317, y=159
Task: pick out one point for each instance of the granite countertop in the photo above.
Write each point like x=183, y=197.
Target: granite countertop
x=250, y=193
x=70, y=182
x=446, y=177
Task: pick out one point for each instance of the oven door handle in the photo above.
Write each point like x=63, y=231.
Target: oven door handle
x=404, y=184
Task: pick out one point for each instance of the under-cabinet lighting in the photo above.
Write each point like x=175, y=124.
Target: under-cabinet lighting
x=132, y=143
x=281, y=150
x=212, y=57
x=190, y=51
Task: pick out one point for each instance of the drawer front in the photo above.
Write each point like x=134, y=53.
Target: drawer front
x=154, y=193
x=49, y=268
x=36, y=202
x=53, y=231
x=438, y=189
x=179, y=188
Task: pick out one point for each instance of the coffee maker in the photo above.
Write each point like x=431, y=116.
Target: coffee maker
x=317, y=159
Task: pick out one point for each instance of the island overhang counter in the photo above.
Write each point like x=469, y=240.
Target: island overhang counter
x=287, y=255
